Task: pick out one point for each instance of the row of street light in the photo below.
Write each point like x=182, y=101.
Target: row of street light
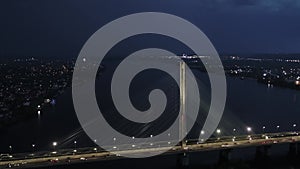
x=249, y=129
x=218, y=132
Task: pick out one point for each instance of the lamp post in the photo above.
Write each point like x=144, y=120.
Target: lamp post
x=277, y=127
x=75, y=144
x=10, y=149
x=33, y=146
x=249, y=129
x=218, y=131
x=294, y=126
x=54, y=144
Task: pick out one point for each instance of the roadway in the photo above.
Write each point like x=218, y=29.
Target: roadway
x=81, y=155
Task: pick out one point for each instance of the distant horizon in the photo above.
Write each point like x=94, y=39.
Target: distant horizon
x=254, y=55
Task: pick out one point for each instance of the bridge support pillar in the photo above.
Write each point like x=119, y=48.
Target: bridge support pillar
x=298, y=148
x=182, y=115
x=183, y=161
x=294, y=152
x=262, y=153
x=224, y=156
x=293, y=149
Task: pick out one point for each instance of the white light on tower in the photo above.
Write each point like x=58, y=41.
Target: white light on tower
x=202, y=132
x=218, y=131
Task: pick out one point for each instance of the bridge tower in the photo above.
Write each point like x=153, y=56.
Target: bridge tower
x=182, y=119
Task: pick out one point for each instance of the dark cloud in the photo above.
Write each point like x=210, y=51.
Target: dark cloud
x=272, y=5
x=245, y=2
x=60, y=27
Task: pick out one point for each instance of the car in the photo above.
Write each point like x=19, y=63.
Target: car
x=54, y=160
x=83, y=159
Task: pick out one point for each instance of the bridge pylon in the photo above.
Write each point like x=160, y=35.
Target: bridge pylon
x=182, y=122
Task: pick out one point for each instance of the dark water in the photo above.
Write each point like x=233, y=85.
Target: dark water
x=248, y=104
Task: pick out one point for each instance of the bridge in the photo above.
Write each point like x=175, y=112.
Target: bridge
x=223, y=144
x=91, y=154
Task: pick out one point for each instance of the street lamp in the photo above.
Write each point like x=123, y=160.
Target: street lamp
x=54, y=144
x=75, y=144
x=249, y=129
x=263, y=128
x=218, y=131
x=277, y=127
x=33, y=146
x=10, y=148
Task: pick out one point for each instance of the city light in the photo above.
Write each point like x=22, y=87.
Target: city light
x=249, y=129
x=218, y=131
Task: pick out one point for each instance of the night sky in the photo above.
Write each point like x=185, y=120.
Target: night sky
x=61, y=27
